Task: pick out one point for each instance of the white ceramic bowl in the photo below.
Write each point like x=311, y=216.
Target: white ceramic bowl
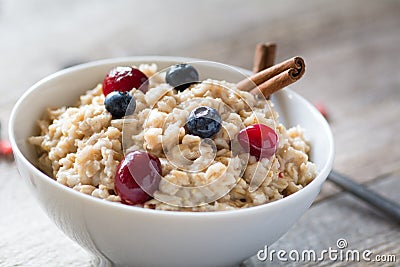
x=122, y=235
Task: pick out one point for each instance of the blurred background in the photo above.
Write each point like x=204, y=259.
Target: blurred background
x=351, y=49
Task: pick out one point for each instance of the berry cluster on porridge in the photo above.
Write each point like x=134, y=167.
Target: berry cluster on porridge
x=168, y=141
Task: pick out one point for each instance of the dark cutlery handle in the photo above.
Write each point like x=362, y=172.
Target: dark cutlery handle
x=386, y=206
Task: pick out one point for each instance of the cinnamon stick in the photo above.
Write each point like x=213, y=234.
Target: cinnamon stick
x=264, y=56
x=274, y=78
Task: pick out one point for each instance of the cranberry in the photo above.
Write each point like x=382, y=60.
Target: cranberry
x=322, y=109
x=137, y=177
x=123, y=79
x=5, y=149
x=259, y=139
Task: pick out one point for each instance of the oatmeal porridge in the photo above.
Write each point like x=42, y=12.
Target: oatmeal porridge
x=172, y=142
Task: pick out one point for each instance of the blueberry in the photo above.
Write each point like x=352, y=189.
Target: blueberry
x=120, y=104
x=181, y=76
x=204, y=122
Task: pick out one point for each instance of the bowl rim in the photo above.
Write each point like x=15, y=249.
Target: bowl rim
x=318, y=180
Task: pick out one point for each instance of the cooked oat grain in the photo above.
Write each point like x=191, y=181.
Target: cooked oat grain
x=81, y=147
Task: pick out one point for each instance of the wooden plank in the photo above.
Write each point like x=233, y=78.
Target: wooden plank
x=27, y=236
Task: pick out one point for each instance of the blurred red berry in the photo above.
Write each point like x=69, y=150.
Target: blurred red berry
x=322, y=109
x=5, y=148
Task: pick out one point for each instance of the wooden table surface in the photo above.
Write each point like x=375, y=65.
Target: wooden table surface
x=352, y=52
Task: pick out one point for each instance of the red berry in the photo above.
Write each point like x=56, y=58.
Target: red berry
x=137, y=177
x=5, y=148
x=259, y=139
x=322, y=109
x=123, y=79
